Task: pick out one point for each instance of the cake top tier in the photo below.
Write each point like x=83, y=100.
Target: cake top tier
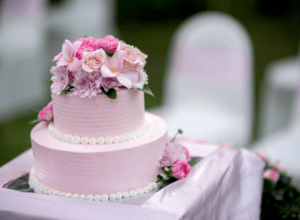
x=89, y=66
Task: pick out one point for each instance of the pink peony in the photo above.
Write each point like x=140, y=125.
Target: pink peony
x=61, y=78
x=181, y=169
x=279, y=166
x=89, y=44
x=46, y=114
x=92, y=61
x=271, y=174
x=113, y=67
x=87, y=84
x=68, y=57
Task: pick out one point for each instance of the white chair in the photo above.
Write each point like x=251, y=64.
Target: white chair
x=209, y=80
x=284, y=145
x=22, y=57
x=278, y=93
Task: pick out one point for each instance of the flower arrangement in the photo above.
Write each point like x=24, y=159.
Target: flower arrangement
x=89, y=66
x=175, y=162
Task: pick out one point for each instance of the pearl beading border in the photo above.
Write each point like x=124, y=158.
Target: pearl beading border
x=101, y=140
x=42, y=189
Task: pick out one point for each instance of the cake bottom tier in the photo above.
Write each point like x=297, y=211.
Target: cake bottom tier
x=96, y=170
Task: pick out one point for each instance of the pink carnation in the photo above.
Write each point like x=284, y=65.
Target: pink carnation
x=165, y=161
x=61, y=78
x=87, y=84
x=187, y=153
x=271, y=174
x=181, y=169
x=46, y=114
x=88, y=45
x=108, y=43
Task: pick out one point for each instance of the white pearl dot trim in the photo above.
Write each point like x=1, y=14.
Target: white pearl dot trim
x=100, y=140
x=41, y=189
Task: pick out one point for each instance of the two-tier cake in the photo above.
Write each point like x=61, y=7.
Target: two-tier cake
x=95, y=140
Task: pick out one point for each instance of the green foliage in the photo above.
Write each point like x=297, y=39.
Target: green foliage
x=147, y=90
x=111, y=93
x=34, y=121
x=280, y=200
x=65, y=91
x=110, y=52
x=194, y=161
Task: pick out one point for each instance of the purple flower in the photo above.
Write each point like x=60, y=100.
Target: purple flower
x=87, y=84
x=165, y=161
x=173, y=152
x=110, y=82
x=61, y=78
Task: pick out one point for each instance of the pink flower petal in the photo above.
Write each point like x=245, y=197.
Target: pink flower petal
x=117, y=60
x=76, y=46
x=62, y=62
x=67, y=49
x=133, y=75
x=106, y=72
x=75, y=65
x=124, y=80
x=57, y=57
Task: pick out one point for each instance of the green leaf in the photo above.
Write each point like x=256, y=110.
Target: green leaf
x=169, y=173
x=65, y=91
x=147, y=90
x=268, y=185
x=111, y=93
x=34, y=121
x=109, y=52
x=194, y=161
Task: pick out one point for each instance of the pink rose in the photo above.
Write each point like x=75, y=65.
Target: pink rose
x=271, y=174
x=181, y=169
x=134, y=58
x=46, y=114
x=92, y=61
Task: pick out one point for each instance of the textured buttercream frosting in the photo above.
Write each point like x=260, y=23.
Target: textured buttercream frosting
x=98, y=169
x=99, y=116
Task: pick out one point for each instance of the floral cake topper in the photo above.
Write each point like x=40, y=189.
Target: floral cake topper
x=89, y=66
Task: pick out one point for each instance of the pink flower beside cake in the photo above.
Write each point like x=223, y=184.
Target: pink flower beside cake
x=99, y=143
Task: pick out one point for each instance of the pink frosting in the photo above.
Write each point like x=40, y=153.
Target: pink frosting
x=99, y=116
x=94, y=169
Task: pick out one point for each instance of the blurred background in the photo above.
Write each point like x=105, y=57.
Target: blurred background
x=32, y=32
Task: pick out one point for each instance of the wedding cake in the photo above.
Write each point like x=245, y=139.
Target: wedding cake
x=95, y=141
